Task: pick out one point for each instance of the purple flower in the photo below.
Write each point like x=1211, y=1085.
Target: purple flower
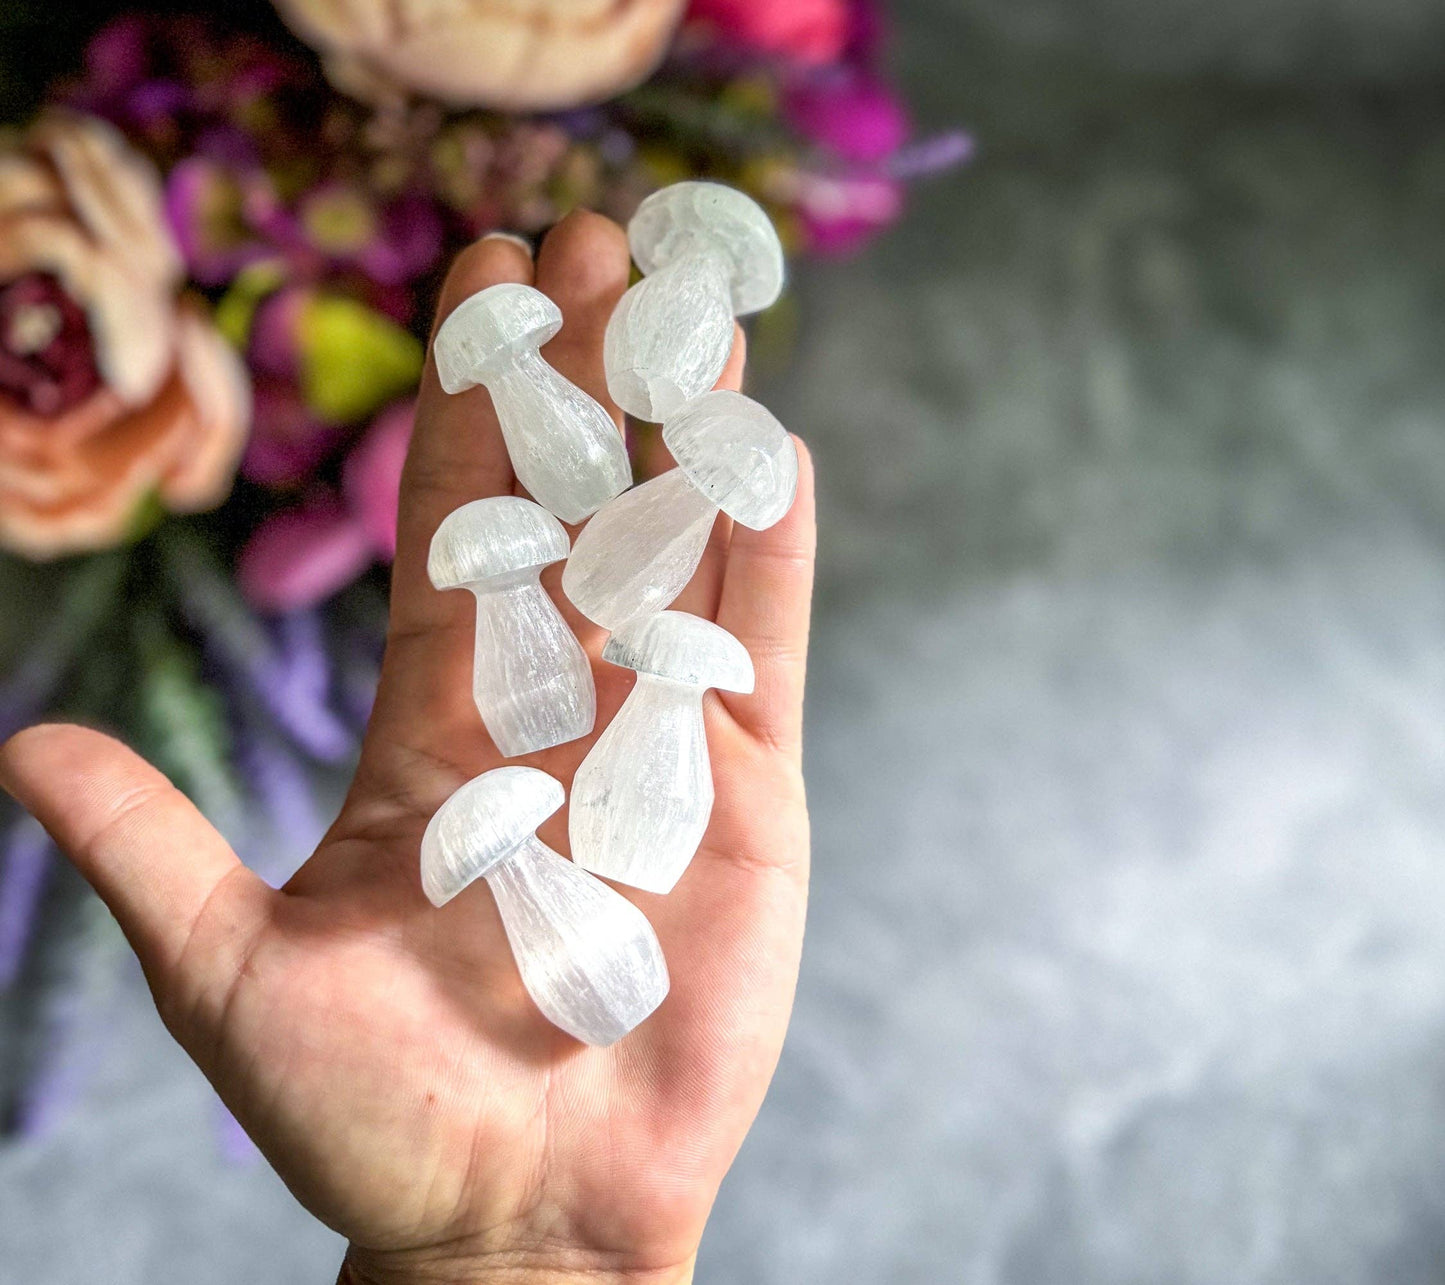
x=301, y=556
x=931, y=155
x=241, y=649
x=117, y=57
x=278, y=782
x=76, y=1024
x=212, y=210
x=28, y=857
x=287, y=440
x=233, y=1141
x=850, y=112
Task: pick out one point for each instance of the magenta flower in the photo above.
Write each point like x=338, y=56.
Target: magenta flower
x=145, y=71
x=812, y=31
x=390, y=243
x=117, y=59
x=287, y=439
x=275, y=341
x=840, y=213
x=371, y=476
x=212, y=209
x=299, y=557
x=850, y=112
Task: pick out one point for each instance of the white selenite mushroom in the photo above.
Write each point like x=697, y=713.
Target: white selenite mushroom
x=530, y=677
x=708, y=253
x=642, y=797
x=640, y=550
x=588, y=957
x=565, y=448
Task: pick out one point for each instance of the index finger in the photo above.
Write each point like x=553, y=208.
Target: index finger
x=456, y=453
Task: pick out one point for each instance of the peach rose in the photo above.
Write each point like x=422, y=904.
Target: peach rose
x=523, y=55
x=111, y=390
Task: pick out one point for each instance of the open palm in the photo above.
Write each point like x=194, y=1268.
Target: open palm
x=382, y=1053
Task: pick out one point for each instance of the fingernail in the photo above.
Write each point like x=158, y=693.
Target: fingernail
x=520, y=241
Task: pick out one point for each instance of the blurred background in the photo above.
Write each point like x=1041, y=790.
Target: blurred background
x=1126, y=955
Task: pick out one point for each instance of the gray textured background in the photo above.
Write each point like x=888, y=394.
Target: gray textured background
x=1127, y=954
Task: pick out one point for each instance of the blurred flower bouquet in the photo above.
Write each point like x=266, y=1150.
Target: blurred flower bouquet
x=217, y=262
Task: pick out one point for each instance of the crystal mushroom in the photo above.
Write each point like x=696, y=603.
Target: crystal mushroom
x=708, y=253
x=640, y=550
x=565, y=448
x=588, y=957
x=642, y=797
x=530, y=677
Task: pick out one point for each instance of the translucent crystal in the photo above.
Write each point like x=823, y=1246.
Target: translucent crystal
x=530, y=677
x=643, y=795
x=669, y=337
x=588, y=957
x=737, y=454
x=564, y=447
x=708, y=253
x=638, y=553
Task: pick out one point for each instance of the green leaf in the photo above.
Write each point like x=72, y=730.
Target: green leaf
x=237, y=308
x=353, y=360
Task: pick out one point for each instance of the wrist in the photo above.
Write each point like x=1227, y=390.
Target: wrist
x=362, y=1267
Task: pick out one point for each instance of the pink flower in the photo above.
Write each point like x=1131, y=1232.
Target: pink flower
x=112, y=391
x=812, y=31
x=301, y=556
x=850, y=112
x=371, y=476
x=287, y=441
x=840, y=214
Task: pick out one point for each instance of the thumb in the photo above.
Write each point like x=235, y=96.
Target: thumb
x=187, y=905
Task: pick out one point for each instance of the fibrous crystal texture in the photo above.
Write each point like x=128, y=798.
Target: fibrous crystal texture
x=736, y=453
x=643, y=795
x=638, y=553
x=565, y=448
x=708, y=253
x=670, y=335
x=587, y=956
x=530, y=677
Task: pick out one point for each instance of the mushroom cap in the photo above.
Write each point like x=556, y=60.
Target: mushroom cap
x=483, y=822
x=492, y=323
x=678, y=217
x=684, y=648
x=498, y=536
x=737, y=454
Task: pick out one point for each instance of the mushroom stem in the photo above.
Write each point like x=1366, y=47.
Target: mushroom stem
x=642, y=797
x=565, y=449
x=587, y=956
x=530, y=678
x=640, y=551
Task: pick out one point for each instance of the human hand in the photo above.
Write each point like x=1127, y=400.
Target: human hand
x=382, y=1053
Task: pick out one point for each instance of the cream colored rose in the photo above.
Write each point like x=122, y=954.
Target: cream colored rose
x=521, y=55
x=111, y=391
